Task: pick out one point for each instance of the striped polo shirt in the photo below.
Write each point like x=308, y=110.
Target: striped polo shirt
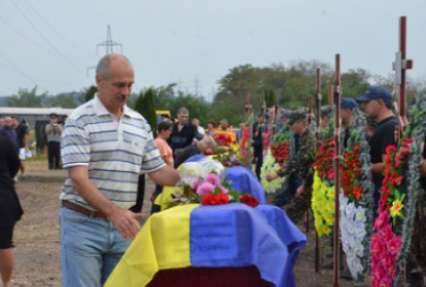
x=115, y=151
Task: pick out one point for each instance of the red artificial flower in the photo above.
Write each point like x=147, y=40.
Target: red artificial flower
x=390, y=149
x=404, y=150
x=214, y=199
x=248, y=199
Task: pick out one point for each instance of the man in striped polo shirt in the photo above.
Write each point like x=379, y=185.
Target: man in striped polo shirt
x=105, y=145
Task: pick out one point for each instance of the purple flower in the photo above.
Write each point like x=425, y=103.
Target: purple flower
x=205, y=188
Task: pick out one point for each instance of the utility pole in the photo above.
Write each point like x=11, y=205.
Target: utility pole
x=109, y=44
x=196, y=87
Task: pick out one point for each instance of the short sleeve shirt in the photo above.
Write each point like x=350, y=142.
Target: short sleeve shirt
x=115, y=151
x=383, y=136
x=182, y=138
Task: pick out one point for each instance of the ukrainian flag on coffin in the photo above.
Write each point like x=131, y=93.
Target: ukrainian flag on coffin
x=231, y=235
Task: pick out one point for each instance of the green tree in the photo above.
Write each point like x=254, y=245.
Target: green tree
x=27, y=98
x=355, y=82
x=145, y=106
x=88, y=94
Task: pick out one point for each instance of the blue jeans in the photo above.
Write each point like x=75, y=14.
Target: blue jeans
x=90, y=249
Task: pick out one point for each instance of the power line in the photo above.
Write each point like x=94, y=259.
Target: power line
x=44, y=19
x=46, y=39
x=20, y=34
x=19, y=70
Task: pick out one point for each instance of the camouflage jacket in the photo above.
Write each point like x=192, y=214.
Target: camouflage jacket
x=300, y=162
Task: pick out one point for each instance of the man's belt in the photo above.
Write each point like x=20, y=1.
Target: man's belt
x=78, y=208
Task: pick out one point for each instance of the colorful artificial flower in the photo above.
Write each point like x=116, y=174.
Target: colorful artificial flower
x=396, y=208
x=322, y=205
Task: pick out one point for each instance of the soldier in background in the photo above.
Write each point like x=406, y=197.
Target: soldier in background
x=298, y=169
x=53, y=132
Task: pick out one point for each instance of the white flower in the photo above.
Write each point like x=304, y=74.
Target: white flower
x=353, y=231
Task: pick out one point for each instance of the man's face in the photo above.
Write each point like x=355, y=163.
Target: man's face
x=195, y=122
x=15, y=123
x=371, y=108
x=183, y=118
x=224, y=125
x=115, y=90
x=323, y=122
x=298, y=127
x=53, y=120
x=8, y=122
x=346, y=115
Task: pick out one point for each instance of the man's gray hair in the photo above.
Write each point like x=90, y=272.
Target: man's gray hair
x=183, y=110
x=103, y=69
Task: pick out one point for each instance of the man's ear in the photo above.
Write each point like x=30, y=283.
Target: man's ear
x=98, y=80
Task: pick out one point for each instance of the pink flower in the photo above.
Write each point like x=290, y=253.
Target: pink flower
x=394, y=245
x=196, y=183
x=212, y=179
x=381, y=220
x=205, y=188
x=223, y=189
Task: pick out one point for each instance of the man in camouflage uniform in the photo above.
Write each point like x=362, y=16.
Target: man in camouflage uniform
x=298, y=170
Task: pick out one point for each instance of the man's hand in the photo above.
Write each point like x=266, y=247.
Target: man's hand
x=300, y=190
x=271, y=176
x=126, y=222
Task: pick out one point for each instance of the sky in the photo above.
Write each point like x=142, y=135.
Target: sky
x=53, y=44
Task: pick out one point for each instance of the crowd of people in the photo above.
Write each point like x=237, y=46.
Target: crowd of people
x=105, y=146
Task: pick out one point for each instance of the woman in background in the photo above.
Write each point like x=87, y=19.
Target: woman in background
x=164, y=130
x=10, y=207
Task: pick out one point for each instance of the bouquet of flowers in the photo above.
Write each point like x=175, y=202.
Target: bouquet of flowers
x=324, y=160
x=280, y=146
x=356, y=200
x=270, y=166
x=351, y=171
x=323, y=191
x=386, y=240
x=322, y=206
x=211, y=190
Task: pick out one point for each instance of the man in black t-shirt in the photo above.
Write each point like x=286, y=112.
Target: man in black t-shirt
x=184, y=132
x=377, y=105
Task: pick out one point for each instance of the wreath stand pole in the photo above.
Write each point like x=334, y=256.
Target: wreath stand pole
x=336, y=241
x=401, y=65
x=310, y=109
x=318, y=143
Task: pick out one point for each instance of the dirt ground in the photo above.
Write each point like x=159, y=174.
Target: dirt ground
x=37, y=235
